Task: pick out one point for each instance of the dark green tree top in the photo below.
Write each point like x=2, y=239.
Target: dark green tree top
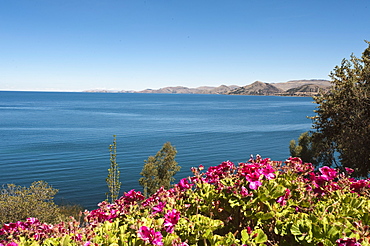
x=305, y=149
x=158, y=170
x=342, y=122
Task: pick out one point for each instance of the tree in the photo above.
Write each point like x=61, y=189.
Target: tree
x=18, y=203
x=158, y=170
x=305, y=149
x=342, y=122
x=114, y=185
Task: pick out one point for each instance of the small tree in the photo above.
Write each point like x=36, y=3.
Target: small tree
x=158, y=170
x=113, y=182
x=305, y=149
x=17, y=203
x=342, y=122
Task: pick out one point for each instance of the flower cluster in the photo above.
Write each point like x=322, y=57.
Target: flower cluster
x=170, y=220
x=150, y=236
x=252, y=203
x=255, y=172
x=348, y=242
x=216, y=173
x=108, y=212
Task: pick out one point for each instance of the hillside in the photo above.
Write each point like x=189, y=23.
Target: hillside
x=290, y=88
x=298, y=83
x=257, y=88
x=307, y=89
x=223, y=89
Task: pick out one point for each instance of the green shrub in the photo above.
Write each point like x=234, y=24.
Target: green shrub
x=20, y=203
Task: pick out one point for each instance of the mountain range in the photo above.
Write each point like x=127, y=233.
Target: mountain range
x=290, y=88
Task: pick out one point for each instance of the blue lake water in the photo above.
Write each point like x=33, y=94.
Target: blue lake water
x=63, y=138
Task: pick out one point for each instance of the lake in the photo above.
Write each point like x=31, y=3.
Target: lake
x=64, y=137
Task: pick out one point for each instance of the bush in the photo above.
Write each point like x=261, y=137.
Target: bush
x=19, y=203
x=260, y=202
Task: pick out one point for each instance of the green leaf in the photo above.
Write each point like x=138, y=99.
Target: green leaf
x=302, y=230
x=234, y=202
x=245, y=236
x=264, y=215
x=261, y=236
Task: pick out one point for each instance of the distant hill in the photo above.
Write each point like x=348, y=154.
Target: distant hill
x=256, y=88
x=223, y=89
x=297, y=83
x=290, y=88
x=307, y=89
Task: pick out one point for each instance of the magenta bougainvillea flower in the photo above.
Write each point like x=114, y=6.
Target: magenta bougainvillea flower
x=244, y=191
x=9, y=244
x=184, y=184
x=328, y=173
x=254, y=180
x=268, y=172
x=133, y=196
x=349, y=170
x=150, y=236
x=170, y=220
x=282, y=200
x=357, y=185
x=214, y=174
x=158, y=208
x=347, y=242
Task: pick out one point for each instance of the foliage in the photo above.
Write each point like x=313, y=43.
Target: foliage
x=68, y=210
x=114, y=185
x=158, y=170
x=305, y=148
x=260, y=202
x=342, y=122
x=19, y=203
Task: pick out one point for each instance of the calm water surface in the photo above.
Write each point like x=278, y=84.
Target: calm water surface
x=63, y=138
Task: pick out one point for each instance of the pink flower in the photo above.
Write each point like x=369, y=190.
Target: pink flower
x=349, y=170
x=328, y=173
x=214, y=174
x=254, y=180
x=149, y=235
x=184, y=184
x=282, y=199
x=33, y=221
x=268, y=172
x=347, y=242
x=294, y=159
x=244, y=191
x=158, y=208
x=246, y=169
x=177, y=242
x=88, y=243
x=132, y=196
x=170, y=220
x=359, y=184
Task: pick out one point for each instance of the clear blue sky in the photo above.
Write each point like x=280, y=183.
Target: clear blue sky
x=74, y=45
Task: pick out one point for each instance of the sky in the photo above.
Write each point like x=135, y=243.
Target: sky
x=76, y=45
